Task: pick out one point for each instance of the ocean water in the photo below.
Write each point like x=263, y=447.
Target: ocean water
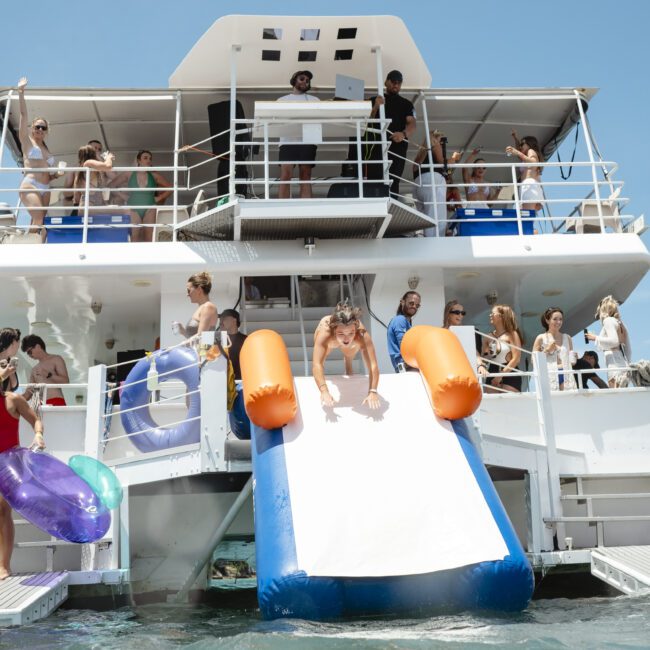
x=583, y=623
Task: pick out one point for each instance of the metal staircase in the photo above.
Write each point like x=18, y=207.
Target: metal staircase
x=621, y=503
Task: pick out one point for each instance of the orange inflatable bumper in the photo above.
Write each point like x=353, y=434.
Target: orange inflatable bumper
x=269, y=397
x=453, y=387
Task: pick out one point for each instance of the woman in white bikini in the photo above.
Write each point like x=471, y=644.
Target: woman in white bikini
x=530, y=190
x=476, y=189
x=343, y=330
x=205, y=316
x=558, y=348
x=35, y=187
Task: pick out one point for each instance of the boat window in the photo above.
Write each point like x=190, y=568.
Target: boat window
x=309, y=34
x=343, y=55
x=272, y=33
x=347, y=32
x=270, y=55
x=307, y=56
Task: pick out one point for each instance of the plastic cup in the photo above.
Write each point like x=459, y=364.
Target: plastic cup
x=106, y=194
x=62, y=165
x=176, y=327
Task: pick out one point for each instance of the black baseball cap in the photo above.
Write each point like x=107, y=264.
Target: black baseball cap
x=395, y=75
x=594, y=355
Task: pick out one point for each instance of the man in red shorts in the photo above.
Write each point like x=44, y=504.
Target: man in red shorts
x=50, y=369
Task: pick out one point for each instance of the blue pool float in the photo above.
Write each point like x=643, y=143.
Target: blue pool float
x=181, y=364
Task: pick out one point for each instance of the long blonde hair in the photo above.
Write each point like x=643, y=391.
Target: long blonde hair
x=609, y=306
x=509, y=320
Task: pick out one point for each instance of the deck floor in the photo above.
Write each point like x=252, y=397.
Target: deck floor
x=27, y=597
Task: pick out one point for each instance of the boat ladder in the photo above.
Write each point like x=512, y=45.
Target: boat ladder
x=27, y=597
x=627, y=568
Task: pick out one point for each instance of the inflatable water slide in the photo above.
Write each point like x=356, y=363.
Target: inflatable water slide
x=385, y=512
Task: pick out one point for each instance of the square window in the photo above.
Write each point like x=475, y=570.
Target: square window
x=347, y=32
x=272, y=33
x=307, y=56
x=309, y=34
x=270, y=55
x=343, y=55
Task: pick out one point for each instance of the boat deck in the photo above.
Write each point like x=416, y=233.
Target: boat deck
x=28, y=597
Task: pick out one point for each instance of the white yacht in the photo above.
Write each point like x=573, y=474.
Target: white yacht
x=572, y=468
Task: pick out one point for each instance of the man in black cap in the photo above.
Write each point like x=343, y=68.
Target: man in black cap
x=588, y=361
x=402, y=115
x=292, y=152
x=229, y=322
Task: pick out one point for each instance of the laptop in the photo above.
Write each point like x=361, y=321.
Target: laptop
x=349, y=88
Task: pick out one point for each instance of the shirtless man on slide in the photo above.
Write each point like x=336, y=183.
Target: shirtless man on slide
x=343, y=330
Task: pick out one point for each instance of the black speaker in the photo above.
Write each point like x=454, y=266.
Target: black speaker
x=219, y=121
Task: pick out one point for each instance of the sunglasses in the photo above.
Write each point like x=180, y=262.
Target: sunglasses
x=40, y=127
x=457, y=312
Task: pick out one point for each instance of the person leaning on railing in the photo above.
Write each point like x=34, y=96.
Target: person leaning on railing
x=424, y=192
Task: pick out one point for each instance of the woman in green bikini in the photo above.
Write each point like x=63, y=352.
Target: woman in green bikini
x=149, y=182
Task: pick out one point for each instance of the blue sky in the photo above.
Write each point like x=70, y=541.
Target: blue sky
x=499, y=43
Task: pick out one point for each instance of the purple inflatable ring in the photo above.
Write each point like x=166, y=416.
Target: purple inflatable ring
x=50, y=495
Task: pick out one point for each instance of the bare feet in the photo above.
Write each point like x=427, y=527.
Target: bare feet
x=4, y=573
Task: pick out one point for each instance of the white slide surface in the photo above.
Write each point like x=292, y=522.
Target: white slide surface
x=383, y=493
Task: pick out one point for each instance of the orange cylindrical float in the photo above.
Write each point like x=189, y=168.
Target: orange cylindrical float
x=436, y=352
x=269, y=397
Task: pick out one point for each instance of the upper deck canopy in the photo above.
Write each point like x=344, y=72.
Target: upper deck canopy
x=274, y=47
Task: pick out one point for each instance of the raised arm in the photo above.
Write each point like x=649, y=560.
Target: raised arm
x=101, y=165
x=467, y=171
x=23, y=124
x=318, y=364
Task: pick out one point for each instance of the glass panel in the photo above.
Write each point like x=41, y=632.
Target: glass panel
x=343, y=55
x=347, y=32
x=306, y=56
x=270, y=55
x=272, y=33
x=309, y=34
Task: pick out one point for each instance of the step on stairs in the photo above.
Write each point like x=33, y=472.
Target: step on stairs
x=600, y=500
x=287, y=324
